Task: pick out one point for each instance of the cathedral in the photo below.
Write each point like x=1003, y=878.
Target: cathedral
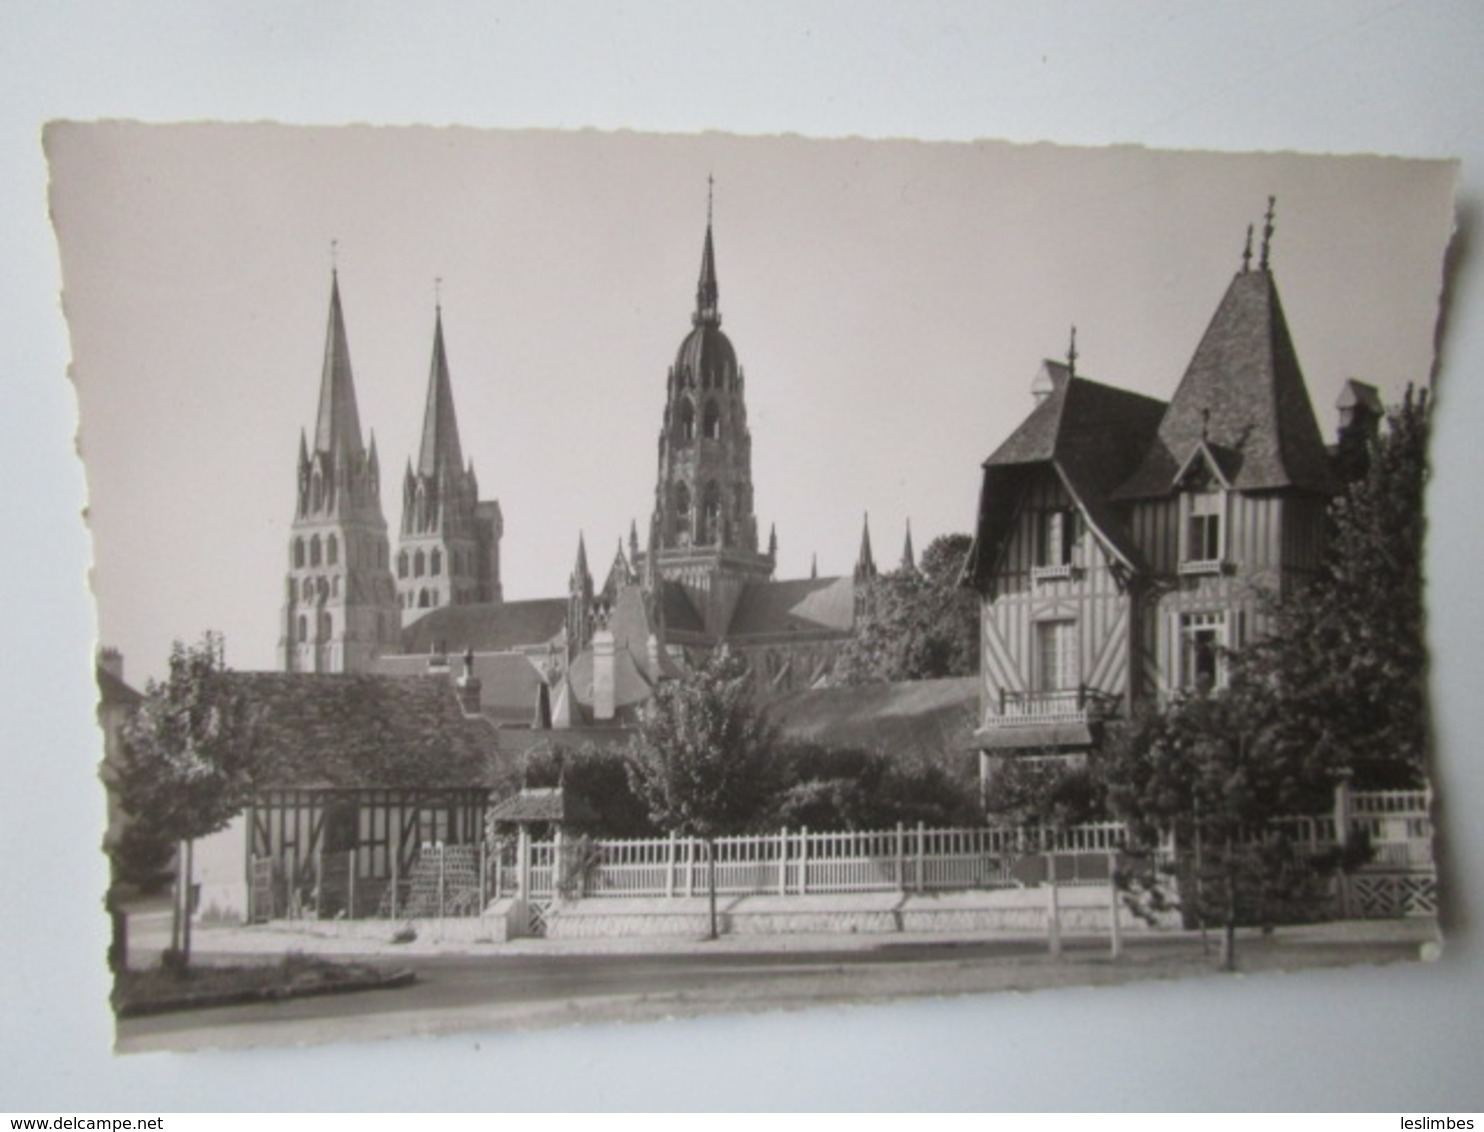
x=700, y=577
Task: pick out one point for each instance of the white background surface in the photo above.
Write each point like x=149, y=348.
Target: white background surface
x=1357, y=77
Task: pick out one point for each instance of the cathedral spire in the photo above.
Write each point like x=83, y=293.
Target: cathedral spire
x=865, y=563
x=707, y=292
x=440, y=443
x=580, y=573
x=909, y=559
x=338, y=425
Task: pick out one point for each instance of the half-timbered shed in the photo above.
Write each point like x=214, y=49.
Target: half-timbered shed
x=1124, y=544
x=364, y=769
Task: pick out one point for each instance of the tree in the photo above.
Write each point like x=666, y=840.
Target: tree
x=1046, y=793
x=187, y=760
x=1347, y=660
x=1210, y=771
x=597, y=775
x=702, y=755
x=834, y=789
x=918, y=624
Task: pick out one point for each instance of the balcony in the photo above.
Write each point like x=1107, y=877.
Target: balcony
x=1034, y=709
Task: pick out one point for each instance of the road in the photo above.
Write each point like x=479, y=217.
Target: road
x=498, y=992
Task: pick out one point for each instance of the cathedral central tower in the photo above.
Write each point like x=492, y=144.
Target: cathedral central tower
x=704, y=531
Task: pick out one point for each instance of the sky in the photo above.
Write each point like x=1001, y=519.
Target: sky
x=890, y=302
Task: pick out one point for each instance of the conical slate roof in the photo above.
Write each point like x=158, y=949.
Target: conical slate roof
x=338, y=425
x=440, y=443
x=1243, y=394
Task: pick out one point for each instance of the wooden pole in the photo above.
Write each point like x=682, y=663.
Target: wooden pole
x=783, y=861
x=350, y=899
x=1053, y=908
x=804, y=861
x=901, y=860
x=1115, y=929
x=185, y=919
x=921, y=844
x=670, y=865
x=396, y=863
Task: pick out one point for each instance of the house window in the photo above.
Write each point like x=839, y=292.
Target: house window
x=1203, y=642
x=1056, y=533
x=1205, y=535
x=1056, y=655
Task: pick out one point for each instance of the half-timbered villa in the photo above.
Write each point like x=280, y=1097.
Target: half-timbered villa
x=1124, y=544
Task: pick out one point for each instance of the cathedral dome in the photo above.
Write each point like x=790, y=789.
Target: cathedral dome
x=706, y=358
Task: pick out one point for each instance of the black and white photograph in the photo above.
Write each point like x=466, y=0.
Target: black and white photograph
x=550, y=578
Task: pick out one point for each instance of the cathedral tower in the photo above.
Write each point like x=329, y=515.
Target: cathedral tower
x=449, y=551
x=704, y=530
x=340, y=609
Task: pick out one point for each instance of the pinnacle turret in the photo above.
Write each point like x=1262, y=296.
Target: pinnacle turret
x=909, y=559
x=865, y=562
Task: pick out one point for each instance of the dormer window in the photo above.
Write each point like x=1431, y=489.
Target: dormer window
x=1056, y=535
x=1204, y=513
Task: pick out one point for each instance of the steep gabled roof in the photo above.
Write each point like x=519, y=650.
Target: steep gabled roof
x=359, y=730
x=508, y=681
x=1091, y=435
x=1244, y=393
x=797, y=606
x=486, y=627
x=113, y=692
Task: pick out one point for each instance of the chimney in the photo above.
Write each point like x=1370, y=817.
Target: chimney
x=605, y=679
x=468, y=686
x=111, y=661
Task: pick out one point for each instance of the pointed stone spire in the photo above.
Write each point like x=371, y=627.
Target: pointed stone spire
x=865, y=563
x=773, y=541
x=580, y=570
x=440, y=444
x=337, y=427
x=707, y=292
x=634, y=543
x=303, y=450
x=909, y=559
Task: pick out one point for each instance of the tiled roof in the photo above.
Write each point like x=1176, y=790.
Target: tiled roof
x=923, y=714
x=508, y=681
x=113, y=692
x=362, y=730
x=632, y=686
x=680, y=614
x=1244, y=392
x=544, y=804
x=795, y=607
x=1093, y=435
x=488, y=627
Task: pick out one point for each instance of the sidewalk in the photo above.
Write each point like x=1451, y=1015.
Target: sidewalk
x=150, y=934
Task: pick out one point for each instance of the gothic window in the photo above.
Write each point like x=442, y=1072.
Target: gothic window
x=402, y=564
x=317, y=490
x=308, y=589
x=314, y=551
x=298, y=552
x=711, y=515
x=711, y=424
x=422, y=599
x=335, y=585
x=436, y=562
x=687, y=420
x=682, y=510
x=332, y=551
x=326, y=626
x=303, y=629
x=419, y=565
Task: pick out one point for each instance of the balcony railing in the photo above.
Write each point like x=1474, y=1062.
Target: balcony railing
x=1072, y=705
